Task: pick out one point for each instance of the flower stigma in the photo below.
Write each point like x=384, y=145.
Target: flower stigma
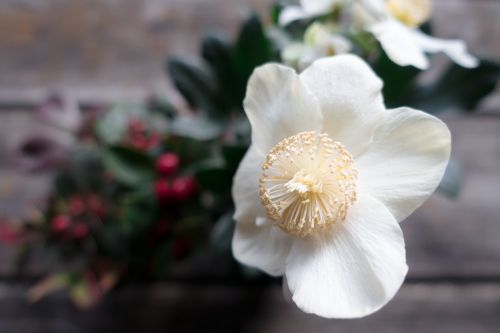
x=308, y=183
x=413, y=13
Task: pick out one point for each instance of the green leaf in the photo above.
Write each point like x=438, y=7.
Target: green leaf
x=113, y=125
x=213, y=179
x=162, y=106
x=276, y=10
x=451, y=183
x=252, y=48
x=458, y=89
x=222, y=233
x=195, y=84
x=398, y=80
x=198, y=128
x=233, y=154
x=218, y=55
x=131, y=167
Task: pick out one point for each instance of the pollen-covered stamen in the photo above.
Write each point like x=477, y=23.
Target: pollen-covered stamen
x=411, y=12
x=308, y=183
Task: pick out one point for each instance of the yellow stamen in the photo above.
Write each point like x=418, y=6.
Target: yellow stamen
x=411, y=12
x=308, y=183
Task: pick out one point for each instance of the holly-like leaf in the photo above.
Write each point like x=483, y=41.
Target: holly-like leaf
x=195, y=84
x=214, y=179
x=252, y=49
x=458, y=89
x=451, y=183
x=222, y=233
x=218, y=55
x=233, y=154
x=398, y=80
x=131, y=167
x=198, y=128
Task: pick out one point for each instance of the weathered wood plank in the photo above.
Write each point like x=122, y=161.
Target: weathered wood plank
x=215, y=308
x=109, y=49
x=461, y=237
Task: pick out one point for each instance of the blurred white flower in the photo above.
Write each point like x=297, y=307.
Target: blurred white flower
x=328, y=176
x=319, y=41
x=308, y=9
x=394, y=23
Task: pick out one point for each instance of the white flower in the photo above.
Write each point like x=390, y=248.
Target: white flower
x=319, y=41
x=308, y=9
x=394, y=24
x=328, y=176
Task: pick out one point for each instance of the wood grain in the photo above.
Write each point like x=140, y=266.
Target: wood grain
x=216, y=308
x=102, y=50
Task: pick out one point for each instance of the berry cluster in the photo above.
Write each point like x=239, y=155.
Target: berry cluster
x=171, y=189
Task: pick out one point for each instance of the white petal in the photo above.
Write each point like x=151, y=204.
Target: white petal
x=307, y=9
x=453, y=48
x=406, y=160
x=256, y=242
x=398, y=42
x=292, y=13
x=352, y=270
x=350, y=97
x=319, y=7
x=279, y=105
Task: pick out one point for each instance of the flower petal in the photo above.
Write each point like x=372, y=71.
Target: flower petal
x=353, y=269
x=319, y=7
x=292, y=13
x=398, y=42
x=406, y=160
x=453, y=48
x=279, y=105
x=350, y=96
x=307, y=9
x=256, y=242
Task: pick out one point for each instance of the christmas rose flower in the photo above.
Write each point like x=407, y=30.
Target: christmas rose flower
x=328, y=176
x=319, y=41
x=394, y=23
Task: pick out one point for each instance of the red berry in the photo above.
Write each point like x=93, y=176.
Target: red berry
x=80, y=231
x=60, y=223
x=76, y=205
x=163, y=191
x=96, y=206
x=167, y=164
x=183, y=188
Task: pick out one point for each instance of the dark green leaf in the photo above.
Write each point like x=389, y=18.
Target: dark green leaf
x=222, y=233
x=451, y=182
x=217, y=54
x=252, y=48
x=195, y=84
x=398, y=80
x=217, y=180
x=276, y=10
x=129, y=166
x=459, y=89
x=162, y=106
x=232, y=155
x=198, y=128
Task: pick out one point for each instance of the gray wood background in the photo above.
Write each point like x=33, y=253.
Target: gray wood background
x=107, y=50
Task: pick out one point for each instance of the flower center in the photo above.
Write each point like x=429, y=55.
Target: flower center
x=411, y=12
x=308, y=183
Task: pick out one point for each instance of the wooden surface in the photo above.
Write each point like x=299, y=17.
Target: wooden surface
x=473, y=308
x=108, y=49
x=113, y=49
